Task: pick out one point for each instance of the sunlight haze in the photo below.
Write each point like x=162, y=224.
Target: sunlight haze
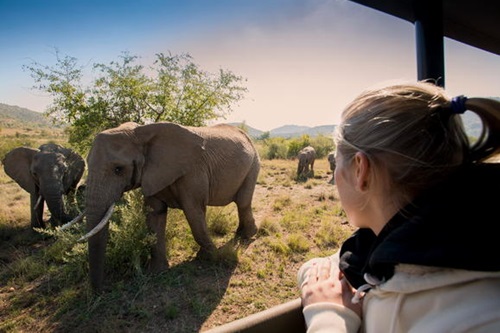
x=303, y=60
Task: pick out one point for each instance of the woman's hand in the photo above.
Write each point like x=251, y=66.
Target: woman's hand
x=325, y=285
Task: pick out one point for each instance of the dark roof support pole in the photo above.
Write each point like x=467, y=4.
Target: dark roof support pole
x=429, y=38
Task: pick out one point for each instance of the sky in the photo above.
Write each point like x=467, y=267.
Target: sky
x=303, y=60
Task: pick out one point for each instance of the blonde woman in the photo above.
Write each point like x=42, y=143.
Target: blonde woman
x=425, y=257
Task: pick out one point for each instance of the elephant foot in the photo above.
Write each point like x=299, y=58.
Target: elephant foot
x=246, y=232
x=207, y=254
x=38, y=225
x=158, y=266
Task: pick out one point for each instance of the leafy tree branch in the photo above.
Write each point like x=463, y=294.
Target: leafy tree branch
x=173, y=89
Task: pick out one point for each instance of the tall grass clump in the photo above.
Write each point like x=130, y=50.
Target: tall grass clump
x=331, y=235
x=269, y=227
x=298, y=243
x=130, y=240
x=221, y=221
x=179, y=239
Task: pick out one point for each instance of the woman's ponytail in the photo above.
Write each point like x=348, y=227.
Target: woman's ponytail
x=488, y=143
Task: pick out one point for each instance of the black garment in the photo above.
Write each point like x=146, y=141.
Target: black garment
x=453, y=225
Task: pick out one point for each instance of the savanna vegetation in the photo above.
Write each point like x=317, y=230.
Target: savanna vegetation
x=43, y=273
x=44, y=283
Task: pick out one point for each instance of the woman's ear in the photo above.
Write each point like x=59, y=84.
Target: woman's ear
x=362, y=172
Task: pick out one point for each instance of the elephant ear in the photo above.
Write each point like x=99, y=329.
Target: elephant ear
x=171, y=151
x=17, y=164
x=76, y=167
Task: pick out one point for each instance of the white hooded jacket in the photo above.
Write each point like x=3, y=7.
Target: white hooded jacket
x=416, y=299
x=435, y=267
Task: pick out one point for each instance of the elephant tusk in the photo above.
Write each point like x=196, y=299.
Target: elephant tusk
x=101, y=224
x=73, y=221
x=38, y=202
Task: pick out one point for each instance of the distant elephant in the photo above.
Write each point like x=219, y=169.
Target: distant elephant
x=331, y=160
x=181, y=167
x=306, y=158
x=47, y=173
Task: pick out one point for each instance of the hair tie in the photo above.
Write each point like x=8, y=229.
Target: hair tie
x=458, y=104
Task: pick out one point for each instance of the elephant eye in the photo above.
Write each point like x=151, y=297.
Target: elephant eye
x=118, y=170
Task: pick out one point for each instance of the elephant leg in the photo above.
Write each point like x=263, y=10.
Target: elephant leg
x=246, y=226
x=157, y=220
x=37, y=211
x=196, y=217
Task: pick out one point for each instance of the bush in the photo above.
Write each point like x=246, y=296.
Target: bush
x=7, y=144
x=282, y=148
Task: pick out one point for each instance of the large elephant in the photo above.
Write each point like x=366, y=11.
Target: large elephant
x=176, y=167
x=306, y=158
x=48, y=174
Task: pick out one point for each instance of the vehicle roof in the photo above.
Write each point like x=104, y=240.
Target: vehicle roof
x=476, y=23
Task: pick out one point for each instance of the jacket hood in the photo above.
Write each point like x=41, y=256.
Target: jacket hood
x=450, y=226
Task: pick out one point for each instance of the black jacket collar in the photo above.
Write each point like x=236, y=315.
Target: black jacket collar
x=452, y=225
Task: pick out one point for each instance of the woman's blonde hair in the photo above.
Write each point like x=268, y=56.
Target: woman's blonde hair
x=414, y=131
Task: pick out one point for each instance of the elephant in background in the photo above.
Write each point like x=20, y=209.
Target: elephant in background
x=331, y=161
x=48, y=174
x=306, y=158
x=176, y=166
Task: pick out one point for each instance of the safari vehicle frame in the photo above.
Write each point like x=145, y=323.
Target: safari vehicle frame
x=475, y=23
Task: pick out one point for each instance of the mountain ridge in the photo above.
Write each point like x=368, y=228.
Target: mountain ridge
x=288, y=131
x=12, y=116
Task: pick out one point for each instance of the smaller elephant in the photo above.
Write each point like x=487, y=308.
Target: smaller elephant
x=306, y=158
x=331, y=160
x=48, y=174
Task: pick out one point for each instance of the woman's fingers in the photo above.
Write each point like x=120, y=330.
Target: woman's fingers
x=326, y=283
x=312, y=275
x=319, y=271
x=324, y=270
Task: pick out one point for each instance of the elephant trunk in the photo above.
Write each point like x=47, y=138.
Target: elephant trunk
x=97, y=204
x=56, y=207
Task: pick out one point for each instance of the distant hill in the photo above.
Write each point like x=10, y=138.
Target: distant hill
x=290, y=131
x=17, y=117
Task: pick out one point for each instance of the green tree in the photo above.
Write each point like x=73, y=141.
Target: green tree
x=296, y=144
x=264, y=136
x=275, y=148
x=323, y=145
x=173, y=89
